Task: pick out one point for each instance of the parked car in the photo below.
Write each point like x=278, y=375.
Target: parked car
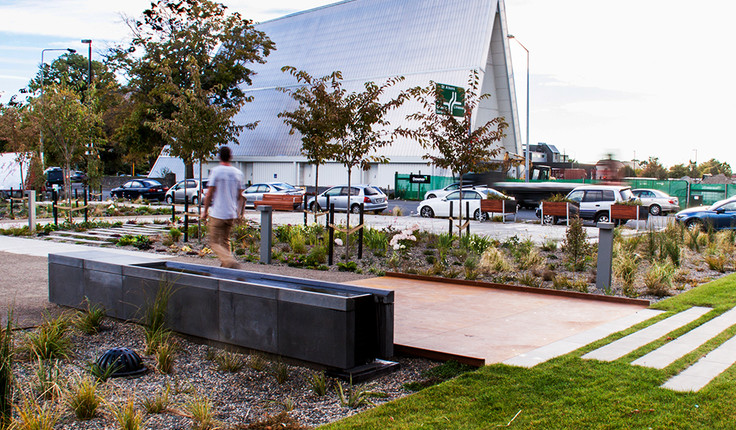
x=442, y=192
x=256, y=191
x=55, y=176
x=440, y=206
x=192, y=191
x=720, y=215
x=595, y=201
x=657, y=201
x=371, y=196
x=146, y=188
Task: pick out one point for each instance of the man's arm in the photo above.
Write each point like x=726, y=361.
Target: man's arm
x=208, y=199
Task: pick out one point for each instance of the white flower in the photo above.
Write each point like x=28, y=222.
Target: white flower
x=338, y=241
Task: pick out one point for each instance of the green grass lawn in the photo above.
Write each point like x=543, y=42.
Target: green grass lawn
x=569, y=392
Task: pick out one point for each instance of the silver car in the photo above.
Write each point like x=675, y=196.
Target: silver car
x=192, y=191
x=657, y=201
x=256, y=191
x=371, y=196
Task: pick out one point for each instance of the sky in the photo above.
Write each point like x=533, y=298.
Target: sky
x=632, y=78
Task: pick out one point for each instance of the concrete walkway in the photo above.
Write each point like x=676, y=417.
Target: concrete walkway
x=636, y=340
x=701, y=373
x=690, y=341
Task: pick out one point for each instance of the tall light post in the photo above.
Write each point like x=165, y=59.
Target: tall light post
x=43, y=84
x=526, y=155
x=89, y=63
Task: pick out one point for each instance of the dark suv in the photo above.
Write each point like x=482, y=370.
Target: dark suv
x=55, y=176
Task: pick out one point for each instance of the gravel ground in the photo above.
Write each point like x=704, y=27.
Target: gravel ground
x=238, y=398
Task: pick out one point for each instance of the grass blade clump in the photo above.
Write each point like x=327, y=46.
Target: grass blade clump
x=83, y=398
x=6, y=372
x=127, y=415
x=50, y=340
x=90, y=320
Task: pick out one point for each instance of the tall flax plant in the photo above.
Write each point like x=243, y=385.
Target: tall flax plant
x=6, y=373
x=154, y=318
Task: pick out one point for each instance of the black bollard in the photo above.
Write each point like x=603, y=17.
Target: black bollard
x=54, y=208
x=327, y=218
x=360, y=232
x=467, y=218
x=85, y=190
x=11, y=202
x=331, y=246
x=173, y=207
x=450, y=219
x=186, y=218
x=304, y=205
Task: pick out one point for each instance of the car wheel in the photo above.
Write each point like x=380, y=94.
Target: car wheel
x=431, y=196
x=169, y=199
x=549, y=219
x=377, y=211
x=355, y=209
x=426, y=212
x=655, y=210
x=480, y=216
x=602, y=217
x=694, y=225
x=195, y=200
x=313, y=205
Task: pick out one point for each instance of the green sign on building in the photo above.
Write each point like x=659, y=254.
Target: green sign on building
x=451, y=99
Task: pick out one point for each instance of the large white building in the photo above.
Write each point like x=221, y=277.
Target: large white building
x=373, y=40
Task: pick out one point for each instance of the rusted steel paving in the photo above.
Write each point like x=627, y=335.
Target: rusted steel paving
x=489, y=323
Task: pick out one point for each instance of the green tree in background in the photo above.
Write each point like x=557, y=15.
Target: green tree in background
x=715, y=167
x=167, y=40
x=317, y=118
x=68, y=125
x=653, y=169
x=451, y=141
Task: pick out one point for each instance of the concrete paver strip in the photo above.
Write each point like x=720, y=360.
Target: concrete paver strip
x=668, y=353
x=42, y=248
x=570, y=344
x=701, y=373
x=636, y=340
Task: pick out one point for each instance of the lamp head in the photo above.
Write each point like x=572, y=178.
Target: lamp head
x=86, y=40
x=71, y=51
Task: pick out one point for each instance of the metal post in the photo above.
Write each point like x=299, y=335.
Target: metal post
x=266, y=233
x=331, y=231
x=54, y=208
x=360, y=232
x=450, y=219
x=327, y=218
x=11, y=202
x=186, y=216
x=173, y=207
x=31, y=210
x=304, y=208
x=605, y=255
x=467, y=218
x=86, y=212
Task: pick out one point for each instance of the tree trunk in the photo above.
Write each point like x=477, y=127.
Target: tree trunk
x=347, y=234
x=460, y=232
x=316, y=191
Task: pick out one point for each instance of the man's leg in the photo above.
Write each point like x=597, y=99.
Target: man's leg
x=219, y=238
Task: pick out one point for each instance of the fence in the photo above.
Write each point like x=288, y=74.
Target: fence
x=404, y=189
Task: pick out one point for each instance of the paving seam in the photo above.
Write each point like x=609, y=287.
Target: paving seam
x=690, y=341
x=570, y=344
x=701, y=373
x=636, y=340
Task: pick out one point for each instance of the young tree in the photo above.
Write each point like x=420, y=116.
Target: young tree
x=67, y=125
x=197, y=127
x=177, y=33
x=363, y=130
x=19, y=134
x=452, y=142
x=317, y=118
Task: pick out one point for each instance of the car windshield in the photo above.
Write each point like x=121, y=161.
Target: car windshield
x=492, y=192
x=150, y=183
x=721, y=203
x=284, y=186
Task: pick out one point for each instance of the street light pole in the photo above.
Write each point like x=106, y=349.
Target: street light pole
x=89, y=63
x=526, y=156
x=43, y=83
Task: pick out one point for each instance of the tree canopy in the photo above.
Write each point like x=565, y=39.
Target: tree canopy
x=167, y=40
x=453, y=143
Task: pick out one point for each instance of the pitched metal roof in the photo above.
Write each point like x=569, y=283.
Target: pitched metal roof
x=372, y=40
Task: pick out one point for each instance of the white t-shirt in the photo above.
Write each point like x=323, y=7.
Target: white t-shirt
x=228, y=183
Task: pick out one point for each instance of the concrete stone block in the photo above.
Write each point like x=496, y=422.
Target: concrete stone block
x=66, y=284
x=248, y=320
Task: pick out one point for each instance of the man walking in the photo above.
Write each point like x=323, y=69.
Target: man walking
x=224, y=195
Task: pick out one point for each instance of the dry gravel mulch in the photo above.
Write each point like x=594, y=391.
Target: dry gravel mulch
x=238, y=398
